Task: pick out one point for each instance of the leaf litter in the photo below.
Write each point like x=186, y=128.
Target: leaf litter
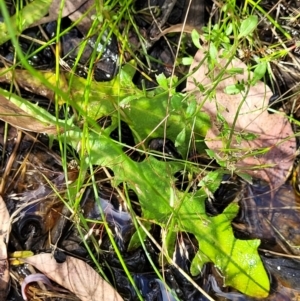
x=15, y=116
x=76, y=276
x=270, y=153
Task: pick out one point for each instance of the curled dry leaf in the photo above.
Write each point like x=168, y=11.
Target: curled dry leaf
x=4, y=271
x=18, y=118
x=76, y=276
x=269, y=156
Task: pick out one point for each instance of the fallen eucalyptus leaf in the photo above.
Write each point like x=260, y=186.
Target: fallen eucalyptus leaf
x=15, y=116
x=76, y=276
x=4, y=267
x=270, y=155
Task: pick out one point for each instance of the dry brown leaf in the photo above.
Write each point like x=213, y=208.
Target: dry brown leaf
x=4, y=268
x=76, y=276
x=18, y=118
x=273, y=131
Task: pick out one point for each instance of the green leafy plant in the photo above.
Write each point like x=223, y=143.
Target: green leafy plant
x=154, y=181
x=163, y=113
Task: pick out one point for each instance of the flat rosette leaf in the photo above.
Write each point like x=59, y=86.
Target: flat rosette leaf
x=147, y=116
x=238, y=260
